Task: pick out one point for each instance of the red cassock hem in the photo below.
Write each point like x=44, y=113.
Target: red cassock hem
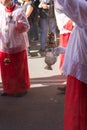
x=14, y=72
x=75, y=109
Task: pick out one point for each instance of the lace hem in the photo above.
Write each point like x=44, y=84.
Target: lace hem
x=77, y=70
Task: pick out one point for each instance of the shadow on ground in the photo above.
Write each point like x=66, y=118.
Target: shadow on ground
x=40, y=109
x=59, y=79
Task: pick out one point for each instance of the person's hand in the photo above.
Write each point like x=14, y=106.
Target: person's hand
x=59, y=50
x=20, y=27
x=44, y=6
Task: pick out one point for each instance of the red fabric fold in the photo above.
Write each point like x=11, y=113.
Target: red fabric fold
x=69, y=25
x=10, y=9
x=14, y=72
x=75, y=110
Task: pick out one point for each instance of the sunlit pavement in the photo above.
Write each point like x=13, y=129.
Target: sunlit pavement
x=42, y=107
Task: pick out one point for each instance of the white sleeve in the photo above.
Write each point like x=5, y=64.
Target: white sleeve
x=75, y=10
x=21, y=18
x=59, y=50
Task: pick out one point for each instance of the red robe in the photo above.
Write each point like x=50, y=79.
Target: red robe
x=75, y=110
x=15, y=74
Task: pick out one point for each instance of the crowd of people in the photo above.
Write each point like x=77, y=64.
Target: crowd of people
x=40, y=15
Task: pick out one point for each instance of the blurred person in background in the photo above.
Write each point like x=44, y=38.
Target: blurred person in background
x=31, y=14
x=47, y=21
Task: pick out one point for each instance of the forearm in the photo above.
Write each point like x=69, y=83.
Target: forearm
x=29, y=11
x=44, y=5
x=59, y=50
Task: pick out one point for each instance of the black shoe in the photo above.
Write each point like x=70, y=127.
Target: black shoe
x=62, y=88
x=14, y=95
x=34, y=39
x=29, y=54
x=4, y=94
x=42, y=50
x=18, y=94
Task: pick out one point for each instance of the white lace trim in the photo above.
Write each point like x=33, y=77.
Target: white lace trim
x=77, y=70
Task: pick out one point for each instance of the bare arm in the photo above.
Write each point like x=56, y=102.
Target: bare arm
x=29, y=10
